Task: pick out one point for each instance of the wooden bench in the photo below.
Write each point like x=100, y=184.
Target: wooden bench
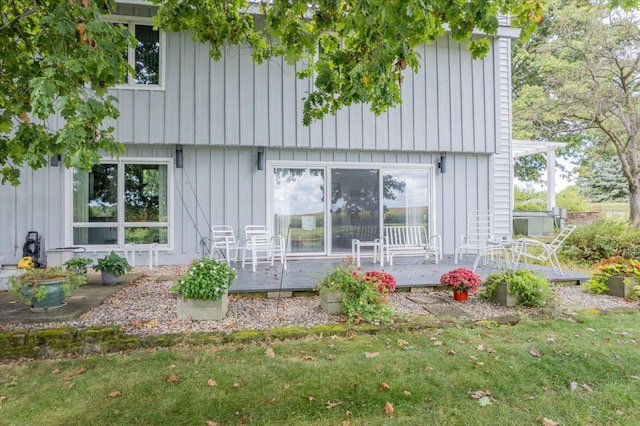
x=410, y=241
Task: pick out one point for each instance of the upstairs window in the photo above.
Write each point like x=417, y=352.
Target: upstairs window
x=146, y=56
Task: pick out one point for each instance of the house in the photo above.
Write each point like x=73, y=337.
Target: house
x=222, y=143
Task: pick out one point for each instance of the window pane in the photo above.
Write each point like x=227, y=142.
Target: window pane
x=147, y=55
x=355, y=207
x=299, y=202
x=146, y=235
x=99, y=236
x=145, y=193
x=406, y=197
x=95, y=194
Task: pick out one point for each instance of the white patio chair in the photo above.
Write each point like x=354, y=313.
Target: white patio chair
x=263, y=246
x=479, y=232
x=224, y=240
x=542, y=252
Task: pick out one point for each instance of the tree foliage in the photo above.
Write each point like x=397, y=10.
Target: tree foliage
x=355, y=50
x=58, y=59
x=586, y=83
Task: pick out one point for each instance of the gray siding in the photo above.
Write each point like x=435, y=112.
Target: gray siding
x=448, y=105
x=220, y=112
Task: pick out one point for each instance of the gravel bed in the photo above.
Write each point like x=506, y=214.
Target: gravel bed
x=147, y=307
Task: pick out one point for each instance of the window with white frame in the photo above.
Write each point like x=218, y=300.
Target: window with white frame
x=145, y=56
x=121, y=202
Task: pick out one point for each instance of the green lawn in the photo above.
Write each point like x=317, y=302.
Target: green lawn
x=609, y=207
x=573, y=372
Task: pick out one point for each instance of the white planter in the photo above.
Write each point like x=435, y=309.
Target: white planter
x=203, y=309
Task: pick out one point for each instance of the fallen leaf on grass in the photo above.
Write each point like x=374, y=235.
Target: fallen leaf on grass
x=619, y=411
x=346, y=423
x=114, y=394
x=312, y=398
x=491, y=351
x=3, y=397
x=428, y=368
x=371, y=354
x=406, y=393
x=236, y=385
x=329, y=405
x=383, y=385
x=212, y=382
x=171, y=366
x=79, y=371
x=437, y=343
x=451, y=352
x=243, y=420
x=270, y=353
x=71, y=385
x=308, y=358
x=55, y=371
x=388, y=408
x=211, y=423
x=173, y=378
x=587, y=387
x=402, y=342
x=534, y=352
x=484, y=401
x=549, y=422
x=479, y=393
x=331, y=357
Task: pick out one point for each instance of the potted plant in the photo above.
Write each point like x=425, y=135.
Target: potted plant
x=463, y=281
x=521, y=287
x=616, y=276
x=112, y=266
x=78, y=264
x=45, y=289
x=203, y=292
x=361, y=296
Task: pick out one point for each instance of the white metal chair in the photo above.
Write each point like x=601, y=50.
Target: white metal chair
x=479, y=232
x=263, y=246
x=224, y=240
x=542, y=252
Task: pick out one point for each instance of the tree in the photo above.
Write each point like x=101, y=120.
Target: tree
x=57, y=61
x=356, y=51
x=591, y=85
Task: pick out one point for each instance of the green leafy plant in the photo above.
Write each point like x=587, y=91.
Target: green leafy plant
x=206, y=279
x=611, y=267
x=78, y=264
x=461, y=279
x=28, y=285
x=365, y=294
x=113, y=263
x=531, y=288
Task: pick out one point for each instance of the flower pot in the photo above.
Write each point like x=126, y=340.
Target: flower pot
x=504, y=296
x=53, y=300
x=621, y=286
x=109, y=278
x=203, y=309
x=460, y=296
x=331, y=303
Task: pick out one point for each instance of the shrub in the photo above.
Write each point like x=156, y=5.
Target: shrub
x=365, y=294
x=613, y=266
x=532, y=288
x=604, y=238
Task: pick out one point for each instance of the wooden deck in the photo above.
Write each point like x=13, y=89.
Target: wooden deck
x=409, y=272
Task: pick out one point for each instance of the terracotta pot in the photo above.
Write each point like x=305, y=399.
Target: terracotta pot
x=460, y=296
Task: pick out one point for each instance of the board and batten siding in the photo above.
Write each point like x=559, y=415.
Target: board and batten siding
x=448, y=104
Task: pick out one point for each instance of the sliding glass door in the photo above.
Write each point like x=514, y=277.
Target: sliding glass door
x=359, y=202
